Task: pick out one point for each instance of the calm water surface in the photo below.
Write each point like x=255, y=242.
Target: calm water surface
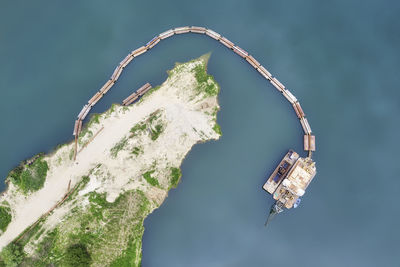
x=341, y=59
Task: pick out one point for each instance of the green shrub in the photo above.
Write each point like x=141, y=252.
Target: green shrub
x=200, y=73
x=77, y=256
x=175, y=177
x=137, y=150
x=128, y=257
x=151, y=180
x=154, y=116
x=5, y=218
x=118, y=147
x=158, y=129
x=100, y=204
x=95, y=118
x=30, y=177
x=46, y=245
x=209, y=89
x=138, y=128
x=217, y=129
x=99, y=199
x=12, y=255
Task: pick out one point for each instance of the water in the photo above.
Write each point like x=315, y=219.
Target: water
x=339, y=58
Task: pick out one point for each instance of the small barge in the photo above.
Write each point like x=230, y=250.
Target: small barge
x=289, y=180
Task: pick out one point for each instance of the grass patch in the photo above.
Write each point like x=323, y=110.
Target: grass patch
x=29, y=232
x=137, y=150
x=5, y=217
x=99, y=199
x=95, y=118
x=206, y=82
x=139, y=127
x=153, y=123
x=130, y=256
x=79, y=186
x=46, y=249
x=99, y=203
x=96, y=240
x=30, y=178
x=158, y=129
x=118, y=147
x=154, y=116
x=215, y=111
x=85, y=131
x=12, y=255
x=77, y=255
x=200, y=73
x=38, y=234
x=111, y=110
x=217, y=129
x=175, y=177
x=151, y=180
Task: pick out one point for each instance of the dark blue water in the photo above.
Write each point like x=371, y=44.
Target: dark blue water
x=341, y=59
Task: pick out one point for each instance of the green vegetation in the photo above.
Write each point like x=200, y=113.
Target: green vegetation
x=31, y=177
x=80, y=185
x=71, y=154
x=28, y=233
x=77, y=255
x=90, y=235
x=158, y=129
x=180, y=66
x=118, y=147
x=215, y=111
x=217, y=129
x=5, y=217
x=200, y=73
x=141, y=126
x=125, y=108
x=153, y=123
x=12, y=255
x=85, y=131
x=206, y=82
x=94, y=119
x=44, y=249
x=14, y=252
x=111, y=110
x=176, y=175
x=154, y=116
x=99, y=203
x=137, y=150
x=131, y=255
x=151, y=180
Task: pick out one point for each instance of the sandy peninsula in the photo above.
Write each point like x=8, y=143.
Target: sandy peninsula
x=129, y=158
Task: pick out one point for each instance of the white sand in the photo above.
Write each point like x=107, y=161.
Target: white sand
x=187, y=123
